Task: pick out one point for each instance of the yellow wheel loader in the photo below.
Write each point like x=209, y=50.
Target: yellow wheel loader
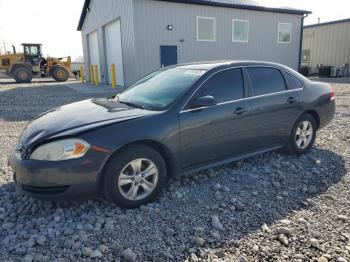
x=24, y=66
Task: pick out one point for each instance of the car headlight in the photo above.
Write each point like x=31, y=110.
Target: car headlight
x=61, y=150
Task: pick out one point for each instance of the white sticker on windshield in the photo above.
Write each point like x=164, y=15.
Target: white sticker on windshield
x=195, y=72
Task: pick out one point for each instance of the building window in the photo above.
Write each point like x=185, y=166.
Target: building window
x=284, y=33
x=240, y=30
x=305, y=56
x=205, y=28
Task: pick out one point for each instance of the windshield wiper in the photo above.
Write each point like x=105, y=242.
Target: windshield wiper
x=131, y=104
x=116, y=99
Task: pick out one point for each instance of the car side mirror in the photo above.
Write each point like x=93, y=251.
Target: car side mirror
x=203, y=101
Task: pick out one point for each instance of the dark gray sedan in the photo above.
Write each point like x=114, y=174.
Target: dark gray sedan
x=177, y=119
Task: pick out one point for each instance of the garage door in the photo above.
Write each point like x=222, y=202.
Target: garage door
x=93, y=51
x=114, y=50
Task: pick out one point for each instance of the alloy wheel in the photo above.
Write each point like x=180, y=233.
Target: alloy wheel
x=304, y=134
x=138, y=179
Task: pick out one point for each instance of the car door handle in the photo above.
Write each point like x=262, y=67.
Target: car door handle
x=292, y=99
x=240, y=110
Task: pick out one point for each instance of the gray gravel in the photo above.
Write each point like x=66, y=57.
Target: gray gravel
x=270, y=207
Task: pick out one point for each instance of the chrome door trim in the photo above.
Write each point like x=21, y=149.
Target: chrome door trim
x=244, y=99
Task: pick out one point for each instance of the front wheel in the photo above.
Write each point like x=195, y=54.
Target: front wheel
x=134, y=176
x=60, y=74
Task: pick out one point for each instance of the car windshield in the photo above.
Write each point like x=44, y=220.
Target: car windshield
x=161, y=88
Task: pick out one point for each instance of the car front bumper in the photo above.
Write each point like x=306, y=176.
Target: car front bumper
x=61, y=180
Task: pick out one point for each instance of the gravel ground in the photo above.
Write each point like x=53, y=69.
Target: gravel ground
x=271, y=207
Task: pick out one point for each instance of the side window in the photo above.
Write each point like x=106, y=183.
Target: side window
x=266, y=80
x=293, y=82
x=224, y=86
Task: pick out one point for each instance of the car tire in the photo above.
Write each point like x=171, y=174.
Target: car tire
x=303, y=135
x=126, y=174
x=22, y=75
x=60, y=74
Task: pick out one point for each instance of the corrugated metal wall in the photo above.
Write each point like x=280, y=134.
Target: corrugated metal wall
x=102, y=13
x=143, y=26
x=328, y=44
x=152, y=17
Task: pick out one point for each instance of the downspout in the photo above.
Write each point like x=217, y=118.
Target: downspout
x=301, y=40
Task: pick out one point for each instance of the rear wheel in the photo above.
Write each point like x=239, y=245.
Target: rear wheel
x=303, y=135
x=134, y=176
x=60, y=74
x=22, y=75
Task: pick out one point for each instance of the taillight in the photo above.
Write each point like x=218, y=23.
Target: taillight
x=332, y=93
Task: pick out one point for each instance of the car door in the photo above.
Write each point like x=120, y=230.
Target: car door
x=213, y=132
x=274, y=107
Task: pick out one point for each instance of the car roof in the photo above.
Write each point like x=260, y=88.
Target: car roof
x=208, y=65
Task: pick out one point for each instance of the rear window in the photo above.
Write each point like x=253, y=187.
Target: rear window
x=266, y=80
x=293, y=82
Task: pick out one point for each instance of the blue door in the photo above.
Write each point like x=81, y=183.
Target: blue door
x=168, y=55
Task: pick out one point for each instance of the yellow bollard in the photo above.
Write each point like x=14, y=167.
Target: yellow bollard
x=81, y=74
x=96, y=75
x=92, y=81
x=114, y=82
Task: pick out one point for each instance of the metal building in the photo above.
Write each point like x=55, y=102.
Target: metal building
x=140, y=36
x=327, y=44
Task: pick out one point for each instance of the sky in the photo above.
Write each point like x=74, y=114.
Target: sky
x=54, y=23
x=51, y=23
x=326, y=10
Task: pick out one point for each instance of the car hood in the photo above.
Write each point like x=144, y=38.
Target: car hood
x=78, y=117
